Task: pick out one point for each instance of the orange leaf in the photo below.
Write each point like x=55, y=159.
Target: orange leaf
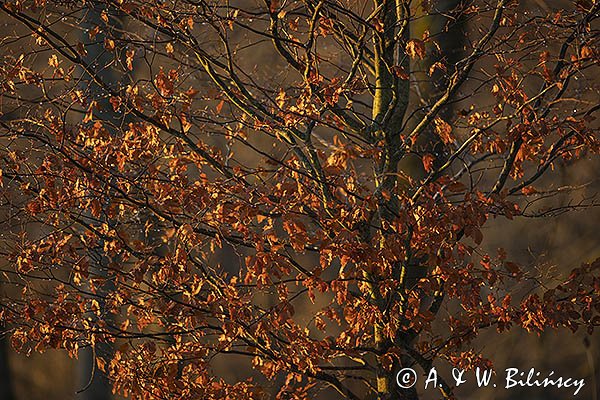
x=428, y=162
x=528, y=190
x=444, y=130
x=586, y=52
x=219, y=107
x=415, y=48
x=400, y=72
x=437, y=65
x=109, y=44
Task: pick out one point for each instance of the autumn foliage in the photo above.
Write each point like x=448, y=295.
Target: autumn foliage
x=300, y=187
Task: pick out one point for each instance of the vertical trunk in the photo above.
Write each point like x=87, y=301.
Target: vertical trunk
x=450, y=40
x=92, y=382
x=389, y=108
x=6, y=388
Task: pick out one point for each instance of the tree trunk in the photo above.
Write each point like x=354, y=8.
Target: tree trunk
x=451, y=42
x=93, y=383
x=6, y=387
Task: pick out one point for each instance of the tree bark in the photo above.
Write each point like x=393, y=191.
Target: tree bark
x=392, y=93
x=6, y=387
x=94, y=384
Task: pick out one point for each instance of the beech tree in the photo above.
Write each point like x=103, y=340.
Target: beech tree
x=297, y=186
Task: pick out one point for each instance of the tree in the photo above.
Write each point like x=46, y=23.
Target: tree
x=297, y=137
x=5, y=375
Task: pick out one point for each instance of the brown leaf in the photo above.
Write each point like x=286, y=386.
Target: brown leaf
x=415, y=48
x=109, y=44
x=400, y=72
x=81, y=49
x=274, y=6
x=428, y=162
x=586, y=52
x=444, y=130
x=528, y=190
x=437, y=65
x=129, y=58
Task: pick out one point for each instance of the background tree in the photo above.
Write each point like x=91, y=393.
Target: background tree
x=348, y=177
x=6, y=389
